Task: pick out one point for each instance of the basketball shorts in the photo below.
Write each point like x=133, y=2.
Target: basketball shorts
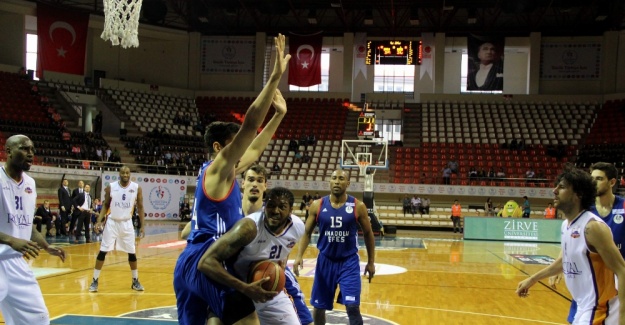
x=602, y=315
x=299, y=300
x=328, y=274
x=277, y=311
x=21, y=301
x=119, y=235
x=196, y=294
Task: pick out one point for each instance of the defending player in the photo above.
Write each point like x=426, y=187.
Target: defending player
x=120, y=198
x=265, y=235
x=217, y=207
x=21, y=301
x=338, y=216
x=589, y=257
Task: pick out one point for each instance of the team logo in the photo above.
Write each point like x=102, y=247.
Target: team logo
x=171, y=313
x=349, y=209
x=176, y=181
x=291, y=244
x=158, y=180
x=28, y=190
x=618, y=219
x=575, y=233
x=107, y=177
x=182, y=181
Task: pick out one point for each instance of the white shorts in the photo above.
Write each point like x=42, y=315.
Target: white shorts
x=21, y=301
x=279, y=310
x=118, y=234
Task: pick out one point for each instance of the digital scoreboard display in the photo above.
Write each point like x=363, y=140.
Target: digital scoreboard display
x=366, y=124
x=394, y=52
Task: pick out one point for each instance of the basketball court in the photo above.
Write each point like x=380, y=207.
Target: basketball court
x=422, y=277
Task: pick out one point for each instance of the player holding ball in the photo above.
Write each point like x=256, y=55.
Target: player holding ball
x=269, y=234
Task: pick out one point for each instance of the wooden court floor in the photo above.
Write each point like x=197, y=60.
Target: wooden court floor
x=422, y=278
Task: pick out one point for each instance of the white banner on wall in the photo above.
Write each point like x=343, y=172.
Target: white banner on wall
x=161, y=193
x=228, y=55
x=570, y=61
x=423, y=189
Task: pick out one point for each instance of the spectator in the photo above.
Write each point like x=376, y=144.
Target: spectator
x=472, y=172
x=456, y=216
x=488, y=207
x=513, y=144
x=406, y=204
x=526, y=208
x=97, y=123
x=305, y=200
x=550, y=212
x=316, y=196
x=43, y=215
x=306, y=158
x=298, y=156
x=447, y=175
x=453, y=165
x=276, y=168
x=425, y=206
x=293, y=145
x=501, y=174
x=529, y=175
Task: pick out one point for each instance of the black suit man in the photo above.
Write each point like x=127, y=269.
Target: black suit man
x=82, y=212
x=43, y=215
x=65, y=207
x=75, y=193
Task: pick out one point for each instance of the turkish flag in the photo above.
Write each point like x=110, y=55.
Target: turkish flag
x=305, y=64
x=62, y=40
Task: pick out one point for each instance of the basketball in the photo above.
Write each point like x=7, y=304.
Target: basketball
x=269, y=269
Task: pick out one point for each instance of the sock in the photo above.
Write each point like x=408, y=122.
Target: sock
x=135, y=274
x=96, y=274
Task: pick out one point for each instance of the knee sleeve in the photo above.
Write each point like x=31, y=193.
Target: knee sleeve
x=101, y=256
x=353, y=312
x=132, y=257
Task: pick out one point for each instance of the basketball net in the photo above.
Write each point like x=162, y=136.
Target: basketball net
x=121, y=22
x=362, y=165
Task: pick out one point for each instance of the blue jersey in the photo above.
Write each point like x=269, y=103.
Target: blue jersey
x=213, y=217
x=615, y=219
x=338, y=229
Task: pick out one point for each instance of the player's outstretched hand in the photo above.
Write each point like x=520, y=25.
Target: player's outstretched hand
x=554, y=280
x=98, y=228
x=370, y=268
x=297, y=265
x=56, y=252
x=256, y=292
x=26, y=247
x=141, y=232
x=282, y=60
x=279, y=103
x=524, y=287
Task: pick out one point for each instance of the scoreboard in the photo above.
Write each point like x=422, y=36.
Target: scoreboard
x=366, y=124
x=393, y=52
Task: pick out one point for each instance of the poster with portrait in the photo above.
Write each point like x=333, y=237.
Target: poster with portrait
x=485, y=70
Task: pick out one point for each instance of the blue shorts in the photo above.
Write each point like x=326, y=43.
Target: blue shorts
x=293, y=289
x=328, y=274
x=196, y=294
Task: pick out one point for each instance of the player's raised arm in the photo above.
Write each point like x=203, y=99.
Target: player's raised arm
x=367, y=233
x=261, y=141
x=221, y=170
x=311, y=222
x=227, y=247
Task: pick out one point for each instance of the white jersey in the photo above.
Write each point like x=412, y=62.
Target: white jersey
x=590, y=281
x=17, y=209
x=123, y=200
x=267, y=245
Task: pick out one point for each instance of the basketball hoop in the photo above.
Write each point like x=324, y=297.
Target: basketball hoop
x=362, y=165
x=121, y=22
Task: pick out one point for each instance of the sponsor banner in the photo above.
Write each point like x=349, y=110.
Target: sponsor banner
x=512, y=229
x=162, y=194
x=534, y=259
x=423, y=189
x=228, y=55
x=570, y=61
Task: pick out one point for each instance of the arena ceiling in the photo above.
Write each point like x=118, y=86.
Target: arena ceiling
x=389, y=18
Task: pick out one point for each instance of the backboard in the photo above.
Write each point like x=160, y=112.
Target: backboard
x=356, y=152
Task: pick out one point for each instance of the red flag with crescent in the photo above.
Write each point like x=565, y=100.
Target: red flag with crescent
x=305, y=64
x=62, y=35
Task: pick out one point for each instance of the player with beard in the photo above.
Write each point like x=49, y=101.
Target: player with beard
x=611, y=209
x=21, y=301
x=589, y=257
x=254, y=187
